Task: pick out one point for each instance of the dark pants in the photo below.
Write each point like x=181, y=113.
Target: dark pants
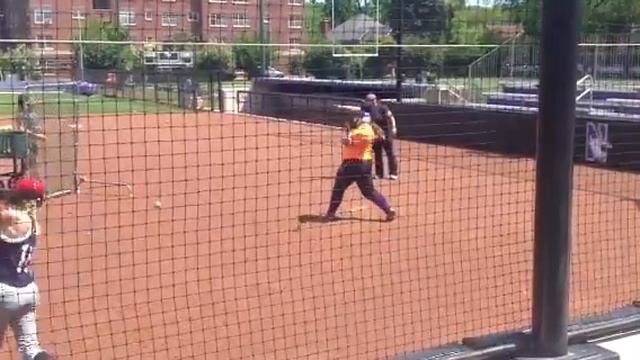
x=360, y=173
x=387, y=146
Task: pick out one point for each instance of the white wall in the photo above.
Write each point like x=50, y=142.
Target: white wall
x=627, y=347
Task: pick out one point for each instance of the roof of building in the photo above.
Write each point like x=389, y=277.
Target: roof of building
x=358, y=29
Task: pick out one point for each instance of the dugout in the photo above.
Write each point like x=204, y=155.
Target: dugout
x=346, y=88
x=498, y=131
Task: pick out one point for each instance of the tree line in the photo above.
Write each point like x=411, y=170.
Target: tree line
x=453, y=22
x=600, y=17
x=118, y=55
x=434, y=17
x=420, y=22
x=424, y=22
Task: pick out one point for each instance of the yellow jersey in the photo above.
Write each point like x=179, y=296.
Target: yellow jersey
x=360, y=146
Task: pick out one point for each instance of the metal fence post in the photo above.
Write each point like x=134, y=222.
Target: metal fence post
x=554, y=177
x=220, y=92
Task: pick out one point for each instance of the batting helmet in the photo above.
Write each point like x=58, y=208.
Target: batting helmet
x=29, y=189
x=366, y=117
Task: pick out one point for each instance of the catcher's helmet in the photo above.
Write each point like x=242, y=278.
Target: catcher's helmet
x=29, y=189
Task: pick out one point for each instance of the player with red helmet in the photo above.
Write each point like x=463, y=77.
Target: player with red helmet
x=29, y=189
x=18, y=289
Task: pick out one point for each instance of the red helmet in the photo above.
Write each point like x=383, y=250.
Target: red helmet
x=29, y=189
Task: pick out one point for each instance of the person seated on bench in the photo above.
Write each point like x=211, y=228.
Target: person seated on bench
x=27, y=119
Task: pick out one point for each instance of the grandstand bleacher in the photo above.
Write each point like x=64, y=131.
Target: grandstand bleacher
x=603, y=102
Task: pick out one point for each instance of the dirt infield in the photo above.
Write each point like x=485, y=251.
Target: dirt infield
x=225, y=270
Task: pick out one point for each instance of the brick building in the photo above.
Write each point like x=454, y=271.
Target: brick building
x=151, y=21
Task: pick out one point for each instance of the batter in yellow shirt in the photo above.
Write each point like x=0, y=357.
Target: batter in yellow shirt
x=359, y=144
x=356, y=167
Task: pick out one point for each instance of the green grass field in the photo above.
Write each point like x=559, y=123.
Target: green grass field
x=130, y=100
x=63, y=104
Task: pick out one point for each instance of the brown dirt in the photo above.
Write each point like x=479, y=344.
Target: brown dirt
x=224, y=270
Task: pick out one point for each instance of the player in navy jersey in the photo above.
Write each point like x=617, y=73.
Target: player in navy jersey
x=382, y=116
x=19, y=294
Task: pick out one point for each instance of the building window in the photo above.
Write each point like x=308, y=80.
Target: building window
x=148, y=15
x=193, y=16
x=216, y=20
x=295, y=2
x=217, y=1
x=43, y=42
x=239, y=1
x=127, y=18
x=294, y=41
x=168, y=0
x=169, y=19
x=240, y=20
x=43, y=16
x=78, y=14
x=295, y=22
x=266, y=19
x=102, y=4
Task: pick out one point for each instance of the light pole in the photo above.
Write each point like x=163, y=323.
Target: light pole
x=262, y=39
x=400, y=30
x=81, y=55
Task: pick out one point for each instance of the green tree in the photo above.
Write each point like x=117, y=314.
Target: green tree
x=421, y=59
x=249, y=57
x=600, y=16
x=121, y=56
x=343, y=10
x=429, y=19
x=296, y=65
x=315, y=15
x=611, y=16
x=20, y=60
x=214, y=58
x=320, y=62
x=457, y=4
x=377, y=67
x=180, y=37
x=470, y=24
x=383, y=10
x=525, y=12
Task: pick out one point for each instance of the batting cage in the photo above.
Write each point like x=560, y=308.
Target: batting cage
x=52, y=110
x=392, y=179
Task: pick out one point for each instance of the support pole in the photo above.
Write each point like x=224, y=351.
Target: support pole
x=81, y=59
x=263, y=49
x=554, y=176
x=399, y=49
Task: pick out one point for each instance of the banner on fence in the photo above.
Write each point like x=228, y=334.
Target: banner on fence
x=597, y=142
